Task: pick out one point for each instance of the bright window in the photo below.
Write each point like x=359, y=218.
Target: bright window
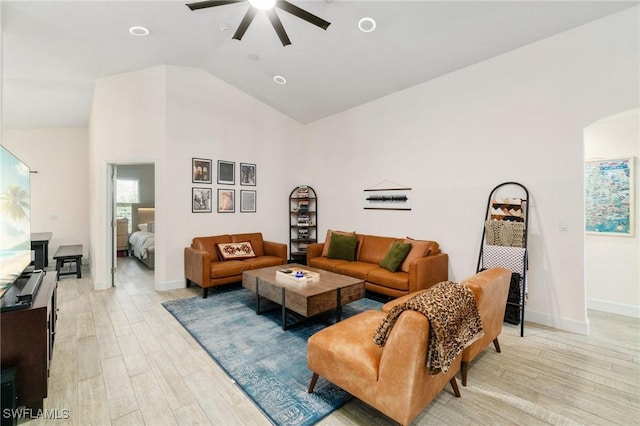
x=127, y=192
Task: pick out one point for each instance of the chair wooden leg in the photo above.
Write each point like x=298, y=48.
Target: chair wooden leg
x=205, y=292
x=312, y=385
x=464, y=368
x=496, y=344
x=454, y=385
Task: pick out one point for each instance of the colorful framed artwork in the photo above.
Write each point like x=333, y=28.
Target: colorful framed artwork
x=247, y=174
x=609, y=197
x=226, y=172
x=200, y=170
x=247, y=201
x=201, y=200
x=226, y=200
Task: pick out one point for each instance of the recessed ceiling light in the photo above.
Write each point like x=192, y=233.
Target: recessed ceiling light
x=280, y=79
x=366, y=25
x=139, y=31
x=223, y=27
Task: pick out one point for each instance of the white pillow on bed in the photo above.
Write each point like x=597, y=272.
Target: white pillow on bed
x=143, y=227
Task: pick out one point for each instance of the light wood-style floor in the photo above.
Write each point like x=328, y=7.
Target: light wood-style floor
x=121, y=359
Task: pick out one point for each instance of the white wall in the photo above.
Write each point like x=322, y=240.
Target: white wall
x=517, y=117
x=613, y=262
x=169, y=115
x=60, y=189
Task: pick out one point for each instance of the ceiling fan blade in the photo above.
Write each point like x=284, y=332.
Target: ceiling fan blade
x=211, y=3
x=277, y=25
x=302, y=14
x=246, y=21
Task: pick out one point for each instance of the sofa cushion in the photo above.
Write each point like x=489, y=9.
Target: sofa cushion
x=326, y=263
x=355, y=269
x=383, y=277
x=262, y=262
x=208, y=244
x=373, y=248
x=228, y=268
x=254, y=237
x=235, y=251
x=343, y=247
x=419, y=248
x=395, y=256
x=327, y=240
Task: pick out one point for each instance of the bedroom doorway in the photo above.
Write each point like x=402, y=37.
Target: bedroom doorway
x=133, y=220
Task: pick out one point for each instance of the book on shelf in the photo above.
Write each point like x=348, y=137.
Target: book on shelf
x=303, y=192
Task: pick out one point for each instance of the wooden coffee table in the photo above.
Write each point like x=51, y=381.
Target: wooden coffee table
x=331, y=291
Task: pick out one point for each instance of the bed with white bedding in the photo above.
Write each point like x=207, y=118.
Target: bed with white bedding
x=142, y=241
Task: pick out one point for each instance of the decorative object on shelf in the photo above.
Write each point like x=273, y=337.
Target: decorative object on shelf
x=609, y=197
x=504, y=244
x=303, y=214
x=226, y=200
x=226, y=172
x=387, y=196
x=201, y=170
x=247, y=201
x=201, y=200
x=247, y=174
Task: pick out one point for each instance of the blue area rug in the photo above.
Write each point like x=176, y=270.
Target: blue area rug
x=269, y=364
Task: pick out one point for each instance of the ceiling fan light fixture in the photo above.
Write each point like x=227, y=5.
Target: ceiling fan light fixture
x=139, y=31
x=263, y=4
x=366, y=25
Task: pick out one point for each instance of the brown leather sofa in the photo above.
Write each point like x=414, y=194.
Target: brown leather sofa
x=204, y=267
x=393, y=379
x=421, y=272
x=490, y=289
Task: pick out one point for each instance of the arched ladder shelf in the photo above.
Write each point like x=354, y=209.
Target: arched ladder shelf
x=504, y=243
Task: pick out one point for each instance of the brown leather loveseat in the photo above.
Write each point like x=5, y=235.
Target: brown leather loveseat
x=424, y=266
x=206, y=266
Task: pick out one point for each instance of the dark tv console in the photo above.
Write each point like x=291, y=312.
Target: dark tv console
x=27, y=343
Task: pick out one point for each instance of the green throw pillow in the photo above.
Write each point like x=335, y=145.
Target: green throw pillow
x=395, y=256
x=342, y=247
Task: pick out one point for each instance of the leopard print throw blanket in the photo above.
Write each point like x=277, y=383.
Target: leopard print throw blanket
x=454, y=319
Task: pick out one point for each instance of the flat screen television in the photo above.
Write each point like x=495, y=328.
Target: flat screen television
x=15, y=219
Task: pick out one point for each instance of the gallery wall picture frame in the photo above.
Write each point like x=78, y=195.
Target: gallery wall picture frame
x=247, y=174
x=387, y=199
x=200, y=200
x=609, y=197
x=200, y=170
x=247, y=201
x=226, y=172
x=226, y=200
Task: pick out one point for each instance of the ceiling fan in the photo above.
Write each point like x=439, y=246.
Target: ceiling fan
x=269, y=7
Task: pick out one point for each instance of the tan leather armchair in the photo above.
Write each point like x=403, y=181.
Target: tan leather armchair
x=394, y=378
x=490, y=289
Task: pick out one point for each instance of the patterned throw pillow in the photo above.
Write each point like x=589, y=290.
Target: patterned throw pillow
x=234, y=251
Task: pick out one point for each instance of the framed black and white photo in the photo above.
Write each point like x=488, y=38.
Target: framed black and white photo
x=226, y=200
x=387, y=199
x=201, y=170
x=201, y=200
x=247, y=201
x=247, y=174
x=226, y=172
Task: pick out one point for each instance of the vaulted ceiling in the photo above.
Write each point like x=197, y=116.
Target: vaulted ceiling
x=53, y=51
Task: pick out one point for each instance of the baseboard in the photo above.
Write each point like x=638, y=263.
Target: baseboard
x=614, y=308
x=565, y=324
